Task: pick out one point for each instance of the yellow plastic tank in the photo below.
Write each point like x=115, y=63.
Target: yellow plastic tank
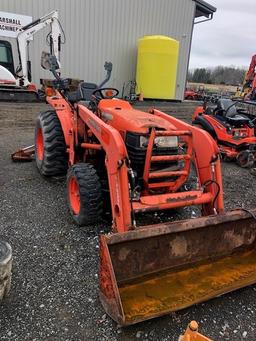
x=157, y=67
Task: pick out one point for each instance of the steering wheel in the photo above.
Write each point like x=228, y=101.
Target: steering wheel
x=218, y=111
x=99, y=93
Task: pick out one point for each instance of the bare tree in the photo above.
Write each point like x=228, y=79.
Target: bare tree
x=218, y=75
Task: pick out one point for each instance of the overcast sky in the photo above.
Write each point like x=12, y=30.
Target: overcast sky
x=228, y=39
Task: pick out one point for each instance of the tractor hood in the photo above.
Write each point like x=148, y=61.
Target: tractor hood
x=122, y=116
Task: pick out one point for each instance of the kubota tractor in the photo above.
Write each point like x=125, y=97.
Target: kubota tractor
x=232, y=127
x=141, y=161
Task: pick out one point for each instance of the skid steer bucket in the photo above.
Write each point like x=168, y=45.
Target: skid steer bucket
x=154, y=270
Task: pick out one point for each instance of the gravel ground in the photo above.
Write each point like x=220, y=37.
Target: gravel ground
x=54, y=293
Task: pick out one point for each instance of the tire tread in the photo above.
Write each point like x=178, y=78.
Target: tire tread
x=55, y=161
x=90, y=194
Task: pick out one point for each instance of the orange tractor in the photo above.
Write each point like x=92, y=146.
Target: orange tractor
x=141, y=162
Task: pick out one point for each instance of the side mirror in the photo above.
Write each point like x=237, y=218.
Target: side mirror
x=49, y=62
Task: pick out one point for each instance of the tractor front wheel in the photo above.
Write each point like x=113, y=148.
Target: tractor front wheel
x=84, y=194
x=50, y=146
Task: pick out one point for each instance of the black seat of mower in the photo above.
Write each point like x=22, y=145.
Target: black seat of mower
x=226, y=111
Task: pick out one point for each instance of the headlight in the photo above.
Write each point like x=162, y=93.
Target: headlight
x=161, y=141
x=166, y=141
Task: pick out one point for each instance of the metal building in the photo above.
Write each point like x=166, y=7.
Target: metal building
x=100, y=30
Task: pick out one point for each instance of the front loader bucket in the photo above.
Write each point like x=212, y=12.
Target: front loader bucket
x=154, y=270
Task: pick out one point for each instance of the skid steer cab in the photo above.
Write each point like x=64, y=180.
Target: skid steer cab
x=140, y=162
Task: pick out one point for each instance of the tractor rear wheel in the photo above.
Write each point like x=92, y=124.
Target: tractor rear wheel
x=84, y=194
x=50, y=147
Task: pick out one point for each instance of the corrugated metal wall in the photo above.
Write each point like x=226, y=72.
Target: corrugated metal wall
x=100, y=30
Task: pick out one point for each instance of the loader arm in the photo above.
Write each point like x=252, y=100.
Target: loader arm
x=26, y=34
x=116, y=165
x=206, y=159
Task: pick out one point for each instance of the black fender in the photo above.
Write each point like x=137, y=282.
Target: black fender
x=206, y=125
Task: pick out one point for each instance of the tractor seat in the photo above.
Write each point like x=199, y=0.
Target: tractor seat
x=86, y=89
x=83, y=93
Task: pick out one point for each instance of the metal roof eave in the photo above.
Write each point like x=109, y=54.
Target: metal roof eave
x=204, y=9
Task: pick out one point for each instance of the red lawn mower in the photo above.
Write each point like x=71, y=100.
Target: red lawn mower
x=192, y=95
x=232, y=127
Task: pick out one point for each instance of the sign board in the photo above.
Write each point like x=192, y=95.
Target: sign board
x=10, y=23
